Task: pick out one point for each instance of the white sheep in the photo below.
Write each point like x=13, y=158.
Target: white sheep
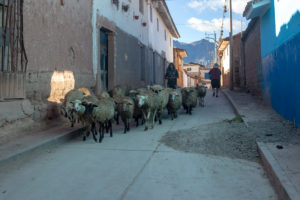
x=103, y=115
x=175, y=101
x=164, y=98
x=149, y=103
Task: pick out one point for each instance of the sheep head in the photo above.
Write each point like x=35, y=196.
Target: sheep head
x=79, y=107
x=141, y=100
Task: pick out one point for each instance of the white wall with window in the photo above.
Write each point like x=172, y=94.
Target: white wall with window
x=160, y=38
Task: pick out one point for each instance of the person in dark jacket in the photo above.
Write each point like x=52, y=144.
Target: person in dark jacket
x=215, y=76
x=172, y=76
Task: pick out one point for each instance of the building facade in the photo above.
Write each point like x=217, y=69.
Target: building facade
x=250, y=68
x=280, y=53
x=224, y=55
x=140, y=42
x=192, y=75
x=68, y=44
x=179, y=55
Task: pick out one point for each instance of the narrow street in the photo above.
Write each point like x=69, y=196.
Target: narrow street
x=138, y=165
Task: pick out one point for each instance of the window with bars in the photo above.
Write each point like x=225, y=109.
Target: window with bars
x=12, y=52
x=13, y=59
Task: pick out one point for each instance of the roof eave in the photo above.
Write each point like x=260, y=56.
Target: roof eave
x=164, y=12
x=255, y=9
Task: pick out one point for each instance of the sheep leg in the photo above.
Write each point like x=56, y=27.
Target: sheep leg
x=117, y=118
x=154, y=114
x=137, y=121
x=159, y=116
x=93, y=129
x=107, y=126
x=128, y=125
x=125, y=125
x=146, y=120
x=84, y=136
x=110, y=128
x=101, y=132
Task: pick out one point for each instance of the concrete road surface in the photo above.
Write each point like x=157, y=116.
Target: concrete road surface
x=136, y=166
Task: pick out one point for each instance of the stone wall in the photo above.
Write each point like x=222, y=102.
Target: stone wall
x=58, y=43
x=251, y=67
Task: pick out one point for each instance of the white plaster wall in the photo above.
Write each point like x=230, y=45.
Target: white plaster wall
x=123, y=20
x=184, y=77
x=225, y=59
x=157, y=39
x=147, y=35
x=284, y=10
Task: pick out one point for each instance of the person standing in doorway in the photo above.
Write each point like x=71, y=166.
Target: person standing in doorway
x=172, y=76
x=215, y=76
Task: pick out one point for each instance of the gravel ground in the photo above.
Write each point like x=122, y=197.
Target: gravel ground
x=232, y=139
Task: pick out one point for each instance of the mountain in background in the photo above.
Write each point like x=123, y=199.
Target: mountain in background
x=201, y=51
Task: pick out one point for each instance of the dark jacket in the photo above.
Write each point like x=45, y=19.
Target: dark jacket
x=172, y=76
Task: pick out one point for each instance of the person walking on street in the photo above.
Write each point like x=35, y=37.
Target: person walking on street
x=172, y=76
x=215, y=76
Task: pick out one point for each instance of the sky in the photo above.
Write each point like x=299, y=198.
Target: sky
x=195, y=19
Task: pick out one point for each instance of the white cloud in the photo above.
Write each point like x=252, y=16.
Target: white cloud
x=238, y=6
x=214, y=25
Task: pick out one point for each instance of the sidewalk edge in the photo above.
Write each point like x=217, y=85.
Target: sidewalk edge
x=235, y=107
x=46, y=144
x=283, y=187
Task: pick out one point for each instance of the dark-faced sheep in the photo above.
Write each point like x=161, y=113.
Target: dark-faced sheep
x=125, y=110
x=84, y=110
x=137, y=113
x=67, y=107
x=189, y=99
x=201, y=94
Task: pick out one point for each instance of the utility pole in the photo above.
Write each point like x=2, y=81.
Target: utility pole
x=216, y=44
x=230, y=46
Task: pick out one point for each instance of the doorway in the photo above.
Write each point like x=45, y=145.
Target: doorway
x=104, y=59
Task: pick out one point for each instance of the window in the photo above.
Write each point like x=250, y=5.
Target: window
x=12, y=52
x=157, y=25
x=13, y=59
x=141, y=6
x=170, y=42
x=151, y=13
x=165, y=35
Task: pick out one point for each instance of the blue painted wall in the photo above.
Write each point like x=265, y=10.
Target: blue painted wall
x=281, y=64
x=267, y=31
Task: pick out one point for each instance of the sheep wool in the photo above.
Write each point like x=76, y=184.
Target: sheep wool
x=189, y=99
x=174, y=104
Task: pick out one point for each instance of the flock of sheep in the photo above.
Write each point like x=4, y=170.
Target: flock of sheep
x=145, y=104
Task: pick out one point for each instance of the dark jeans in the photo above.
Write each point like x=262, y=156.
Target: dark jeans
x=215, y=83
